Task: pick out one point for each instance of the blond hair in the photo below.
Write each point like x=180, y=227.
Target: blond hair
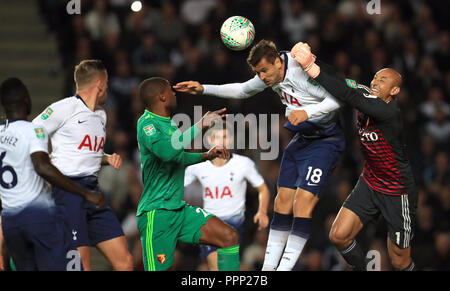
x=87, y=71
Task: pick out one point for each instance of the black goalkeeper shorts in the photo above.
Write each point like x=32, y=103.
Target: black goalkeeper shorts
x=398, y=211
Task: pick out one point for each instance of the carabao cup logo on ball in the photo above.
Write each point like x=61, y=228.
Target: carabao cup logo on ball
x=237, y=33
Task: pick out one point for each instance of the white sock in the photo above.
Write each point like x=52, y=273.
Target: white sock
x=294, y=248
x=275, y=246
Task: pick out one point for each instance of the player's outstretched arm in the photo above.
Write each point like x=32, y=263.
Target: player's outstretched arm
x=337, y=86
x=261, y=217
x=45, y=169
x=190, y=87
x=228, y=91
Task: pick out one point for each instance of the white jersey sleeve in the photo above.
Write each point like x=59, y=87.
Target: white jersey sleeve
x=327, y=105
x=38, y=139
x=20, y=185
x=189, y=175
x=252, y=175
x=53, y=116
x=77, y=136
x=236, y=90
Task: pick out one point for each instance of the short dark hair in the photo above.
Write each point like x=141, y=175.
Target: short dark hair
x=86, y=71
x=150, y=88
x=263, y=49
x=13, y=92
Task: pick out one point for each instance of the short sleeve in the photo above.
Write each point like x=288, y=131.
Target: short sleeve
x=252, y=175
x=38, y=139
x=149, y=134
x=189, y=176
x=53, y=117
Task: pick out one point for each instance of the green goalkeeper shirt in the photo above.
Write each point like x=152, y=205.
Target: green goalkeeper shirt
x=163, y=161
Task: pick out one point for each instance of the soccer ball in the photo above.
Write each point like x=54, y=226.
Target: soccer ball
x=237, y=33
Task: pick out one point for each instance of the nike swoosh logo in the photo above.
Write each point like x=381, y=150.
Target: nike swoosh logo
x=79, y=122
x=309, y=184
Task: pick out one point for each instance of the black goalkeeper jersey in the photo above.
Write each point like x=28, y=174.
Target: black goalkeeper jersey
x=387, y=168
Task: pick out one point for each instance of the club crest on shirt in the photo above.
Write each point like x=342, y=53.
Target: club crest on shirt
x=351, y=83
x=161, y=258
x=39, y=133
x=313, y=82
x=150, y=130
x=47, y=113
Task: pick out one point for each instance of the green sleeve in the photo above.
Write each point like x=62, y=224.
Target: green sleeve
x=192, y=158
x=164, y=150
x=187, y=136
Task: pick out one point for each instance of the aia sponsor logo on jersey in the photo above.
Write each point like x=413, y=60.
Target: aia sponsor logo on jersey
x=288, y=99
x=217, y=194
x=92, y=144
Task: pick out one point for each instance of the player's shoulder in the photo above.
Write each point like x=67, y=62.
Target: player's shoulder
x=63, y=107
x=243, y=160
x=64, y=102
x=149, y=128
x=292, y=64
x=199, y=167
x=28, y=129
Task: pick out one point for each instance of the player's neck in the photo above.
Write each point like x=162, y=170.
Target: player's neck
x=388, y=99
x=219, y=162
x=88, y=98
x=17, y=115
x=158, y=110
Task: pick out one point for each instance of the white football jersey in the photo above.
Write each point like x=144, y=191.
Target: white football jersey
x=297, y=91
x=77, y=135
x=224, y=187
x=19, y=183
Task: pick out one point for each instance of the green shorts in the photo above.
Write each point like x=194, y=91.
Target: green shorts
x=161, y=229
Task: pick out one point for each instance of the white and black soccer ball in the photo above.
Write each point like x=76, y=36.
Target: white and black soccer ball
x=237, y=33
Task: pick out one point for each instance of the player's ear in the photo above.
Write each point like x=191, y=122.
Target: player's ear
x=395, y=90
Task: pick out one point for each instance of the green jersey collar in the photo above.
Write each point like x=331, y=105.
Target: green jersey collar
x=153, y=115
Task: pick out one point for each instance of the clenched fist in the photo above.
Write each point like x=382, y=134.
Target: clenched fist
x=301, y=52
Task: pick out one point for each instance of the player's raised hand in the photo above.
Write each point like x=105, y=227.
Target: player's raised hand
x=210, y=118
x=191, y=87
x=114, y=160
x=301, y=52
x=96, y=197
x=297, y=116
x=216, y=152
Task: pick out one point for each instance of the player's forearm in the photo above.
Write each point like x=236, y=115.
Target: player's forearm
x=329, y=104
x=104, y=159
x=192, y=158
x=228, y=91
x=188, y=136
x=337, y=86
x=51, y=174
x=263, y=198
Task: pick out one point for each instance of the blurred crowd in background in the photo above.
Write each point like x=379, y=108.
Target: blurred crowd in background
x=179, y=40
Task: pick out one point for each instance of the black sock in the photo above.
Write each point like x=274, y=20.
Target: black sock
x=355, y=257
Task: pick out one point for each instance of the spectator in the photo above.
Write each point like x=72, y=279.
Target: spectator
x=100, y=22
x=148, y=57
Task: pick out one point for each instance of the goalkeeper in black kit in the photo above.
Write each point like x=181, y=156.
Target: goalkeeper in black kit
x=386, y=185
